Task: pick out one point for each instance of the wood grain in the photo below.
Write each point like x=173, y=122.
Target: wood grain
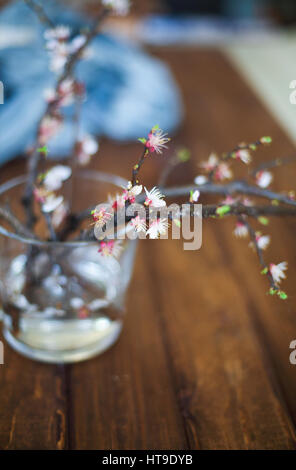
x=203, y=360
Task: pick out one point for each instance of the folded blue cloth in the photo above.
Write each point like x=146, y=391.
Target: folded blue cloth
x=127, y=91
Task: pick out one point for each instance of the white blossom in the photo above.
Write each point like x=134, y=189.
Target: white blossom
x=154, y=198
x=55, y=177
x=51, y=203
x=200, y=180
x=264, y=178
x=277, y=271
x=241, y=230
x=157, y=227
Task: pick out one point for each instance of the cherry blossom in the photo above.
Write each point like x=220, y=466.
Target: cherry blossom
x=138, y=224
x=244, y=156
x=157, y=140
x=40, y=194
x=101, y=216
x=86, y=147
x=51, y=203
x=157, y=228
x=264, y=178
x=200, y=180
x=229, y=201
x=117, y=202
x=262, y=241
x=76, y=43
x=277, y=271
x=110, y=248
x=133, y=191
x=194, y=196
x=222, y=172
x=154, y=198
x=55, y=177
x=59, y=214
x=241, y=230
x=119, y=7
x=50, y=125
x=210, y=164
x=60, y=47
x=65, y=93
x=59, y=33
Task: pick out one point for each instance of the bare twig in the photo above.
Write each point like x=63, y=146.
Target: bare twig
x=36, y=8
x=47, y=216
x=138, y=166
x=15, y=223
x=273, y=164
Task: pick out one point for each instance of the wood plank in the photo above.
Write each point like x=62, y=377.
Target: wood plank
x=33, y=406
x=203, y=358
x=237, y=377
x=125, y=398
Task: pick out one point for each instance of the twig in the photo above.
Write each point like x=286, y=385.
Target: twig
x=251, y=211
x=273, y=164
x=168, y=169
x=53, y=235
x=138, y=166
x=240, y=187
x=259, y=252
x=15, y=223
x=210, y=210
x=229, y=155
x=36, y=8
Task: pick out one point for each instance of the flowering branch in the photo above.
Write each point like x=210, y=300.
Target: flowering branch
x=51, y=111
x=235, y=187
x=273, y=272
x=42, y=186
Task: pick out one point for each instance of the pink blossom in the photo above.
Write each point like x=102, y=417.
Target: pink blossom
x=222, y=172
x=101, y=216
x=110, y=248
x=241, y=230
x=138, y=224
x=210, y=164
x=157, y=140
x=244, y=155
x=50, y=126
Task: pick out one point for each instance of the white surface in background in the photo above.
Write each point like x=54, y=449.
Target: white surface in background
x=269, y=67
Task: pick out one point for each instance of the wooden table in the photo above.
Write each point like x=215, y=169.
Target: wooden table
x=203, y=360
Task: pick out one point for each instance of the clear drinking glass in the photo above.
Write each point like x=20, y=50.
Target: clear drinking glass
x=62, y=301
